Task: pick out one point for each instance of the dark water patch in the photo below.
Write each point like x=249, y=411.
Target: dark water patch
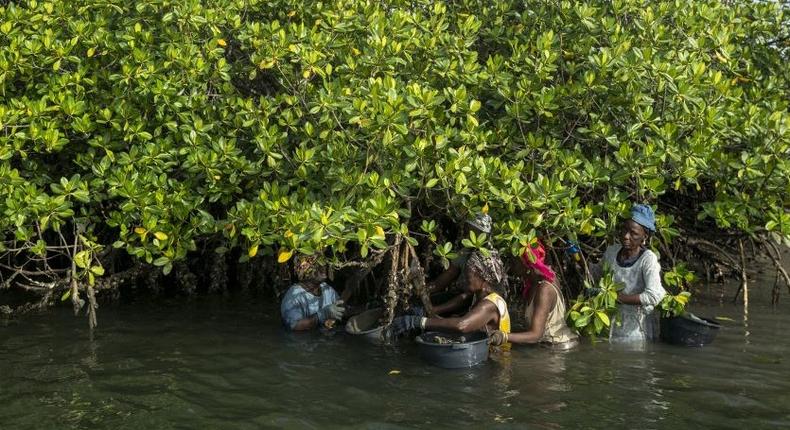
x=228, y=364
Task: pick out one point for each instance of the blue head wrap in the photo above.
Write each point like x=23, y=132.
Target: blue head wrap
x=644, y=216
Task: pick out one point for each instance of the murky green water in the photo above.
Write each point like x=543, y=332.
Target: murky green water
x=219, y=363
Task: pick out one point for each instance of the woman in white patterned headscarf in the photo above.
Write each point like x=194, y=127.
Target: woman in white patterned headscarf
x=486, y=277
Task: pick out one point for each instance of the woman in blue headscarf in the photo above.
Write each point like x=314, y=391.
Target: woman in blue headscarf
x=637, y=269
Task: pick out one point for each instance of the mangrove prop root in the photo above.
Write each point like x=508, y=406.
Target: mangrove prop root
x=363, y=270
x=715, y=251
x=744, y=278
x=219, y=275
x=187, y=280
x=92, y=306
x=391, y=299
x=773, y=252
x=417, y=278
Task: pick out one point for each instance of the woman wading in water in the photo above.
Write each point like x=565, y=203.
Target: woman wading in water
x=636, y=268
x=486, y=280
x=545, y=312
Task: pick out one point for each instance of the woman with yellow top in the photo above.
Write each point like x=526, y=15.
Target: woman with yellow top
x=486, y=279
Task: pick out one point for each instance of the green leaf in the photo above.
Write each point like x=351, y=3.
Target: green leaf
x=603, y=317
x=161, y=261
x=82, y=259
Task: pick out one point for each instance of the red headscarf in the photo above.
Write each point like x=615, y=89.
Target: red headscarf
x=535, y=258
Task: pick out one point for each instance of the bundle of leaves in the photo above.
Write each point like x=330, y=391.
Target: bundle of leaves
x=677, y=281
x=157, y=128
x=595, y=309
x=673, y=305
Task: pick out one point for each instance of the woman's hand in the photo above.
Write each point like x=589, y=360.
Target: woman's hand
x=404, y=324
x=497, y=338
x=334, y=311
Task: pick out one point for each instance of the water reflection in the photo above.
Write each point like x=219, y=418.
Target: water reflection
x=149, y=368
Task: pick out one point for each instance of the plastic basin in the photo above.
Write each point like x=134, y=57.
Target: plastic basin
x=367, y=325
x=688, y=330
x=455, y=355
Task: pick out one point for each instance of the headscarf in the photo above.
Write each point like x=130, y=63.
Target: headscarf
x=309, y=268
x=490, y=269
x=535, y=258
x=481, y=222
x=644, y=216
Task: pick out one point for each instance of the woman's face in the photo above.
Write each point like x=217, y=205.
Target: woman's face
x=474, y=282
x=632, y=235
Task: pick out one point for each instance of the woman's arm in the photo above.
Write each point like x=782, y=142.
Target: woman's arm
x=629, y=299
x=545, y=299
x=653, y=292
x=445, y=279
x=452, y=304
x=475, y=320
x=308, y=323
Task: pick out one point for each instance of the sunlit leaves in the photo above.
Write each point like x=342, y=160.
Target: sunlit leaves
x=269, y=126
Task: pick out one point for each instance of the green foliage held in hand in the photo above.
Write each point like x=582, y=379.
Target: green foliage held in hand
x=679, y=279
x=673, y=305
x=595, y=310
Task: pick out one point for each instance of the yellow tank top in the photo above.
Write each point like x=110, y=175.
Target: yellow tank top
x=501, y=305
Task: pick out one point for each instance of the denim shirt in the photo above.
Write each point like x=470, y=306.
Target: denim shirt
x=299, y=303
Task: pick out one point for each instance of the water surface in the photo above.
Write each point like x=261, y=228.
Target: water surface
x=226, y=363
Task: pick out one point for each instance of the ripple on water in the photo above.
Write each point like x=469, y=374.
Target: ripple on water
x=172, y=369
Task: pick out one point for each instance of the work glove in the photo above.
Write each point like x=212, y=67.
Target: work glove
x=497, y=338
x=404, y=324
x=418, y=311
x=334, y=311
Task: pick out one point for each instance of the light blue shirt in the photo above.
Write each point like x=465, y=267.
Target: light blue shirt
x=299, y=303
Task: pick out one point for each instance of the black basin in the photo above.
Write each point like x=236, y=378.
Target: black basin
x=688, y=330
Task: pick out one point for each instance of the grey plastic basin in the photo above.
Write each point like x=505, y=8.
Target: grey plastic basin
x=367, y=325
x=456, y=355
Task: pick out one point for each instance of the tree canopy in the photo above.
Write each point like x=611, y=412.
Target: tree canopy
x=161, y=127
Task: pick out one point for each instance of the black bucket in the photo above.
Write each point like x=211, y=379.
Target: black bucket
x=454, y=351
x=688, y=330
x=367, y=325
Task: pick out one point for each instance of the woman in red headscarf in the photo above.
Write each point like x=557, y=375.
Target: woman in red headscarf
x=545, y=304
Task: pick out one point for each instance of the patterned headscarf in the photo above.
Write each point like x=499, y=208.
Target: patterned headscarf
x=481, y=222
x=309, y=268
x=489, y=269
